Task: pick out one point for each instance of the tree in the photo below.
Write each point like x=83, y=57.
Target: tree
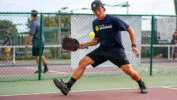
x=65, y=19
x=6, y=25
x=49, y=21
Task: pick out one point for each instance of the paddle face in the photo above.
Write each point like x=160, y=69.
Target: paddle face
x=70, y=44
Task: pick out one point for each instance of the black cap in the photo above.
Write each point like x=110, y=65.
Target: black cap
x=96, y=4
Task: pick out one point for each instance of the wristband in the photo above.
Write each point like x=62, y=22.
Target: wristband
x=133, y=45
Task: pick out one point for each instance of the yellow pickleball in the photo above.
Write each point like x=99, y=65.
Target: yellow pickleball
x=91, y=34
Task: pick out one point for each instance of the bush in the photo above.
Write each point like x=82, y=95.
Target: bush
x=54, y=52
x=24, y=58
x=66, y=57
x=145, y=52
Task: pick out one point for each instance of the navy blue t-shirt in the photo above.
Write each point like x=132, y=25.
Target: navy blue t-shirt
x=109, y=31
x=35, y=30
x=8, y=39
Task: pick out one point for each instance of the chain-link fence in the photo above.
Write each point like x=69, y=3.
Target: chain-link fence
x=154, y=36
x=159, y=45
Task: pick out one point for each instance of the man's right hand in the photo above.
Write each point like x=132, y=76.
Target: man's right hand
x=26, y=45
x=82, y=46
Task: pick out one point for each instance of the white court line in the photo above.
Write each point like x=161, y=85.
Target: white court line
x=41, y=93
x=70, y=91
x=169, y=87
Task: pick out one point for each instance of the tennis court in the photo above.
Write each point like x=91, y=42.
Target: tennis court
x=116, y=87
x=155, y=93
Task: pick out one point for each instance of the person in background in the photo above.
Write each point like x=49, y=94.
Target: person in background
x=7, y=43
x=107, y=29
x=34, y=36
x=174, y=42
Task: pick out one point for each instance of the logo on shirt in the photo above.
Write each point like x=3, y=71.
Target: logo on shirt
x=101, y=27
x=97, y=28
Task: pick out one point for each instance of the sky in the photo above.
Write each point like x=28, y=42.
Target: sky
x=155, y=7
x=160, y=7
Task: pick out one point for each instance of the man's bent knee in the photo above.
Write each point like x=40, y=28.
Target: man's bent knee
x=131, y=72
x=86, y=61
x=127, y=69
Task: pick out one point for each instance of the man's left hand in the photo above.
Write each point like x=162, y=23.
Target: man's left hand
x=135, y=50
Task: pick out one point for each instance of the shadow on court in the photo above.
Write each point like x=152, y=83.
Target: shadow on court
x=158, y=93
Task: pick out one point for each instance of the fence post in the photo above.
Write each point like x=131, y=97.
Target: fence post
x=152, y=43
x=40, y=48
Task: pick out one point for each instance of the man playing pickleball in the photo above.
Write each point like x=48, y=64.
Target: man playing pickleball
x=107, y=29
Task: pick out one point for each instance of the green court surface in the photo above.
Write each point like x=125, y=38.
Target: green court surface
x=85, y=83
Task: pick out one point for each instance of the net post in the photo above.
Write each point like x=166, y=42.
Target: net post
x=152, y=42
x=169, y=52
x=14, y=55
